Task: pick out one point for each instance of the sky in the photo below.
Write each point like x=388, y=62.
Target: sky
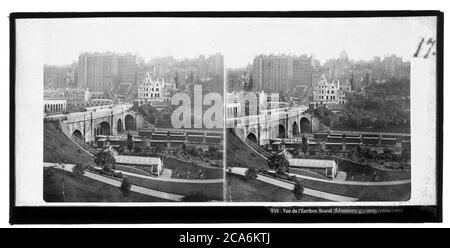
x=238, y=39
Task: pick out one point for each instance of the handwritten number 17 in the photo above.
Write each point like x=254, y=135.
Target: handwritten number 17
x=425, y=46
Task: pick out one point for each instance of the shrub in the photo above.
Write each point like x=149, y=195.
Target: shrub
x=251, y=173
x=78, y=169
x=298, y=190
x=120, y=149
x=107, y=172
x=105, y=160
x=292, y=178
x=191, y=150
x=212, y=149
x=89, y=167
x=279, y=163
x=387, y=150
x=137, y=149
x=118, y=175
x=125, y=187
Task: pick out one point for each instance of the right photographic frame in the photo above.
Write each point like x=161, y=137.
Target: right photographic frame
x=334, y=111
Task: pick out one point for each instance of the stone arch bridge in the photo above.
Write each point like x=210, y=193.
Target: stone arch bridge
x=277, y=123
x=108, y=120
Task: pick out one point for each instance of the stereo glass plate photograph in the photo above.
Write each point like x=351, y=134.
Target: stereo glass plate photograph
x=157, y=110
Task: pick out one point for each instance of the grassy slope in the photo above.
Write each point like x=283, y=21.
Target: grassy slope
x=240, y=155
x=243, y=190
x=357, y=170
x=83, y=189
x=213, y=191
x=208, y=173
x=366, y=193
x=58, y=146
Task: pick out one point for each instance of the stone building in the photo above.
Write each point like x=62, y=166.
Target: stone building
x=54, y=106
x=330, y=93
x=151, y=90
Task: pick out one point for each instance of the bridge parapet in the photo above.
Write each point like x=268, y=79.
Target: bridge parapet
x=269, y=117
x=105, y=119
x=98, y=113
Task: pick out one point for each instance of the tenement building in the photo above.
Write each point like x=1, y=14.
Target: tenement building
x=281, y=73
x=105, y=71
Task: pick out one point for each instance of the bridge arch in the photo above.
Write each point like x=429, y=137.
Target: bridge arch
x=104, y=128
x=130, y=122
x=77, y=133
x=305, y=125
x=281, y=132
x=252, y=137
x=294, y=129
x=119, y=126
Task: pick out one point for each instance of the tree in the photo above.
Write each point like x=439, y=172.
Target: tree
x=359, y=149
x=279, y=163
x=192, y=150
x=105, y=160
x=406, y=152
x=251, y=173
x=130, y=142
x=137, y=149
x=196, y=196
x=304, y=145
x=150, y=113
x=212, y=151
x=125, y=187
x=298, y=190
x=184, y=148
x=78, y=169
x=121, y=148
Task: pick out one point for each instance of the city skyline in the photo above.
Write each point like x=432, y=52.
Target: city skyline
x=65, y=41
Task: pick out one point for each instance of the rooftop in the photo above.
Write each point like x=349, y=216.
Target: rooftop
x=137, y=160
x=311, y=163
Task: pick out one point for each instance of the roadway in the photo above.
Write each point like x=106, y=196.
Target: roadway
x=117, y=183
x=289, y=186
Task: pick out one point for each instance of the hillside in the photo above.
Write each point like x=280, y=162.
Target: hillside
x=83, y=189
x=239, y=189
x=240, y=155
x=59, y=148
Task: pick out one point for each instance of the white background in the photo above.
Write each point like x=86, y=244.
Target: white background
x=231, y=5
